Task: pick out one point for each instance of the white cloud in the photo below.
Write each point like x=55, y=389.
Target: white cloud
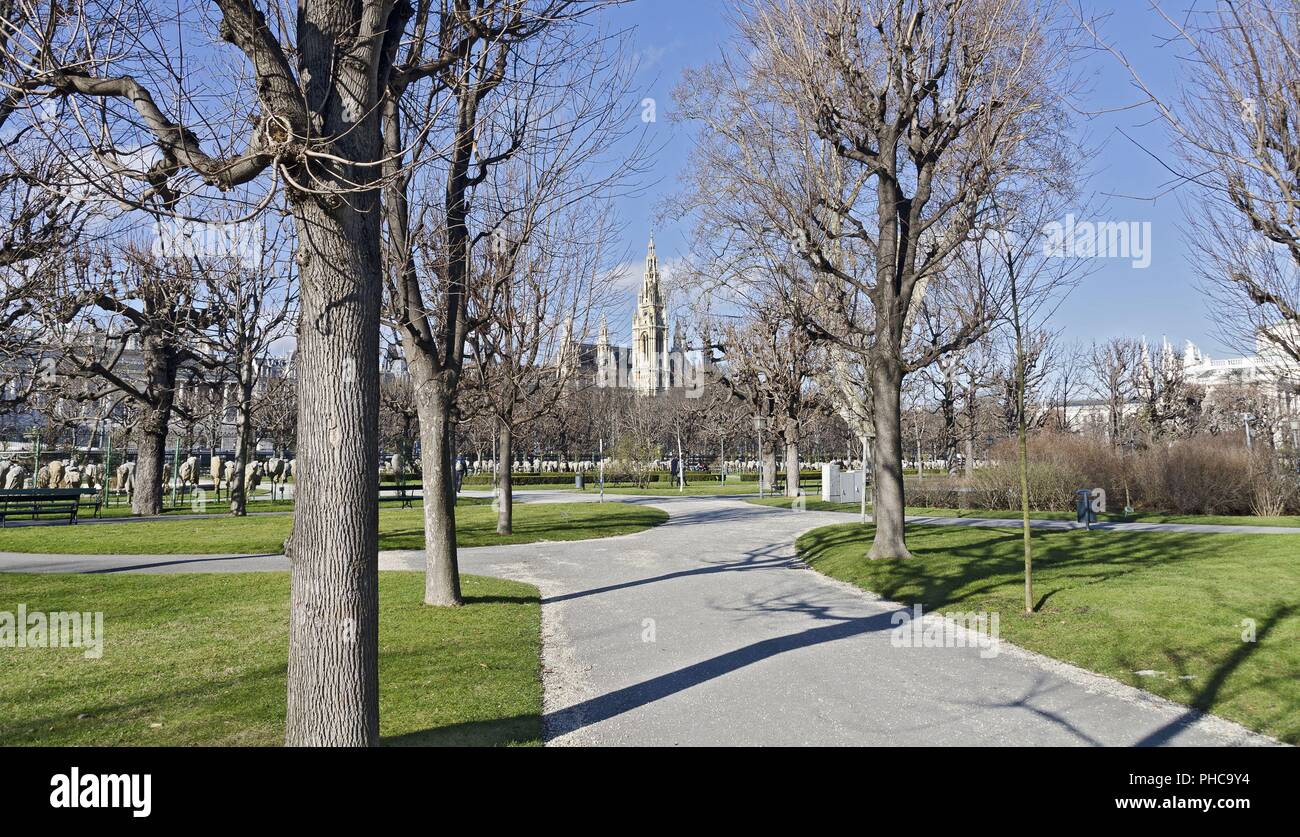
x=648, y=58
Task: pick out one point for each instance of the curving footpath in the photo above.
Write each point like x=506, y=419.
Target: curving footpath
x=707, y=630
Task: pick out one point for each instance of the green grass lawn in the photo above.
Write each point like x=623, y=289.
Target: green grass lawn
x=1115, y=603
x=201, y=659
x=814, y=504
x=398, y=529
x=123, y=508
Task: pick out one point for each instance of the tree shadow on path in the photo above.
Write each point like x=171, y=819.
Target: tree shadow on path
x=628, y=698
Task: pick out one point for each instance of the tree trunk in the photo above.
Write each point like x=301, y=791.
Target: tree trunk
x=438, y=482
x=1024, y=507
x=887, y=460
x=243, y=441
x=791, y=458
x=949, y=409
x=505, y=486
x=1023, y=445
x=768, y=467
x=160, y=363
x=151, y=454
x=333, y=676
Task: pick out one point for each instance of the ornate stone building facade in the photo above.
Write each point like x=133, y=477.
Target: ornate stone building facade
x=650, y=365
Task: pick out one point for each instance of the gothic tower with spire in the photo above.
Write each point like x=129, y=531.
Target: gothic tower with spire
x=650, y=371
x=651, y=365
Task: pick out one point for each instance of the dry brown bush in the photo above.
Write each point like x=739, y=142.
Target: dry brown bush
x=1201, y=475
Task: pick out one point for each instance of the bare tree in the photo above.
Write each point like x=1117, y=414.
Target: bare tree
x=844, y=383
x=502, y=69
x=1014, y=245
x=1244, y=407
x=275, y=410
x=1034, y=362
x=295, y=108
x=399, y=420
x=251, y=303
x=976, y=375
x=883, y=129
x=1236, y=127
x=940, y=379
x=1169, y=405
x=1070, y=374
x=123, y=324
x=1111, y=366
x=769, y=362
x=721, y=416
x=37, y=226
x=525, y=353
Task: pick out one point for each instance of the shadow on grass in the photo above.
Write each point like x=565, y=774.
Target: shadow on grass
x=212, y=698
x=1076, y=559
x=521, y=599
x=1205, y=698
x=1131, y=599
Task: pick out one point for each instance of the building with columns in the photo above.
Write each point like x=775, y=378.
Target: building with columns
x=651, y=365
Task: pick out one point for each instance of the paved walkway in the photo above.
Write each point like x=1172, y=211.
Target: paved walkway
x=708, y=630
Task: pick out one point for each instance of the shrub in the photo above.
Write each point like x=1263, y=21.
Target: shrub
x=1205, y=475
x=936, y=492
x=1274, y=488
x=1052, y=484
x=1200, y=475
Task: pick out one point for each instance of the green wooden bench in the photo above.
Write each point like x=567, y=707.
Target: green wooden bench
x=35, y=503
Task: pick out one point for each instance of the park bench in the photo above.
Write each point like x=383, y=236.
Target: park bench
x=405, y=493
x=42, y=502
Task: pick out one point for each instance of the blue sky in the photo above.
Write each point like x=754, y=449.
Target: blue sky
x=1128, y=183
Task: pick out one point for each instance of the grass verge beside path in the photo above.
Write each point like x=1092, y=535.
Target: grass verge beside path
x=398, y=529
x=814, y=504
x=1117, y=603
x=201, y=659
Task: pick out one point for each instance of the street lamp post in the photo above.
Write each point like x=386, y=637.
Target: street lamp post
x=760, y=423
